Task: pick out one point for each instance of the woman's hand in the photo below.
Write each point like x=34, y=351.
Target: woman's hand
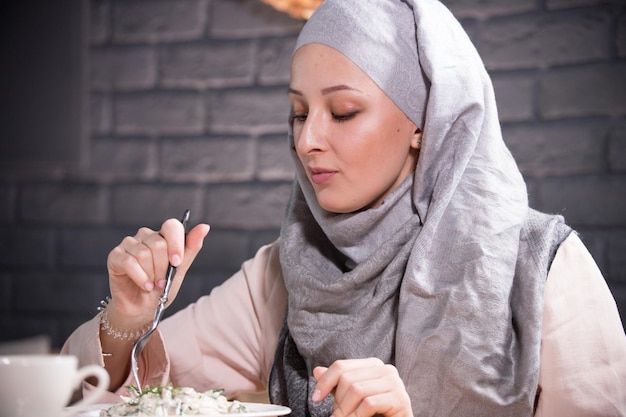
x=363, y=388
x=137, y=269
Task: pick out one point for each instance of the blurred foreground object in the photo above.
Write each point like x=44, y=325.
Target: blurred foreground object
x=299, y=9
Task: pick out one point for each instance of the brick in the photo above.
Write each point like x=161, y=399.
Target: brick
x=100, y=114
x=481, y=9
x=584, y=201
x=26, y=247
x=617, y=148
x=131, y=68
x=64, y=292
x=558, y=149
x=63, y=203
x=159, y=21
x=100, y=17
x=607, y=249
x=223, y=249
x=208, y=159
x=596, y=241
x=585, y=91
x=151, y=204
x=89, y=247
x=621, y=36
x=250, y=18
x=249, y=111
x=567, y=4
x=248, y=207
x=274, y=160
x=514, y=97
x=471, y=28
x=159, y=113
x=540, y=41
x=263, y=238
x=214, y=64
x=275, y=60
x=123, y=158
x=617, y=259
x=7, y=204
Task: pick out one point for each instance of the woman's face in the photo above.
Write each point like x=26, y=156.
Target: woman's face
x=354, y=143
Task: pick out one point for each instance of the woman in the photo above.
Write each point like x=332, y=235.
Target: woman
x=415, y=278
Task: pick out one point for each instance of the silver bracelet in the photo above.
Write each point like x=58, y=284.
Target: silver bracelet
x=107, y=327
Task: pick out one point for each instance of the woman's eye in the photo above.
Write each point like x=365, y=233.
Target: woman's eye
x=298, y=117
x=344, y=116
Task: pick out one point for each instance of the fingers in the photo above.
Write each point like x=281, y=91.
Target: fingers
x=363, y=387
x=318, y=371
x=179, y=246
x=134, y=258
x=173, y=232
x=144, y=257
x=195, y=239
x=362, y=393
x=151, y=251
x=329, y=377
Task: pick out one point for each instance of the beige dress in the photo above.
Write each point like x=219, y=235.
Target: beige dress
x=227, y=339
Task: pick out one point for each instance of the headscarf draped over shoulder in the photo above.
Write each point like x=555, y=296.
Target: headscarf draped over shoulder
x=445, y=279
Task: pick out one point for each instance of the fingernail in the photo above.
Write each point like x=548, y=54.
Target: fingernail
x=161, y=283
x=317, y=395
x=149, y=286
x=175, y=260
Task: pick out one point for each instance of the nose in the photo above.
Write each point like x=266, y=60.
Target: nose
x=309, y=138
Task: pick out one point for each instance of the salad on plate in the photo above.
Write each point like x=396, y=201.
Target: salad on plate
x=170, y=401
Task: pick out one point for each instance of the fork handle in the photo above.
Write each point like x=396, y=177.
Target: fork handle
x=169, y=278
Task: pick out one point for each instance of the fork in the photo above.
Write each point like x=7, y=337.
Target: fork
x=141, y=342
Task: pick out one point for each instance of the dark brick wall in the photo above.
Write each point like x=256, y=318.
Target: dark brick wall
x=187, y=109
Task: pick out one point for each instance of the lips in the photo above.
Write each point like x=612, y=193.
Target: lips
x=321, y=175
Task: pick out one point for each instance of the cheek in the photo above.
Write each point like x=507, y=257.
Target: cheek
x=385, y=137
x=403, y=133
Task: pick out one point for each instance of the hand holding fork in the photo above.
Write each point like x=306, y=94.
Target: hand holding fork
x=141, y=342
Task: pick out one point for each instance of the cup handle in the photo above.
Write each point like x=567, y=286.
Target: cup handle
x=103, y=384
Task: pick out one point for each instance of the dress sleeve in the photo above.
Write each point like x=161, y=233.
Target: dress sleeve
x=583, y=348
x=225, y=340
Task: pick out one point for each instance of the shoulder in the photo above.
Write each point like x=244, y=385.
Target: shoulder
x=575, y=286
x=583, y=346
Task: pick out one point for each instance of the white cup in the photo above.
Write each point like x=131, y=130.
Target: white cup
x=42, y=385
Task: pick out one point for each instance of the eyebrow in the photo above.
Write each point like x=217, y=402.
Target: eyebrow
x=326, y=90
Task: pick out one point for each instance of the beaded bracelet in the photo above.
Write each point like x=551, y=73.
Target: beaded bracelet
x=107, y=327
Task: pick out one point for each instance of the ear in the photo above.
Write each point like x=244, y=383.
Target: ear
x=416, y=141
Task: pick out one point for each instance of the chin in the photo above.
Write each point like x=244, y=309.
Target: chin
x=338, y=199
x=334, y=206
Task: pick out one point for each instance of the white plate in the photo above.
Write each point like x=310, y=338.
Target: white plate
x=254, y=410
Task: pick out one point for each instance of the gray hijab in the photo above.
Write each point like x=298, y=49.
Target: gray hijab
x=445, y=278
